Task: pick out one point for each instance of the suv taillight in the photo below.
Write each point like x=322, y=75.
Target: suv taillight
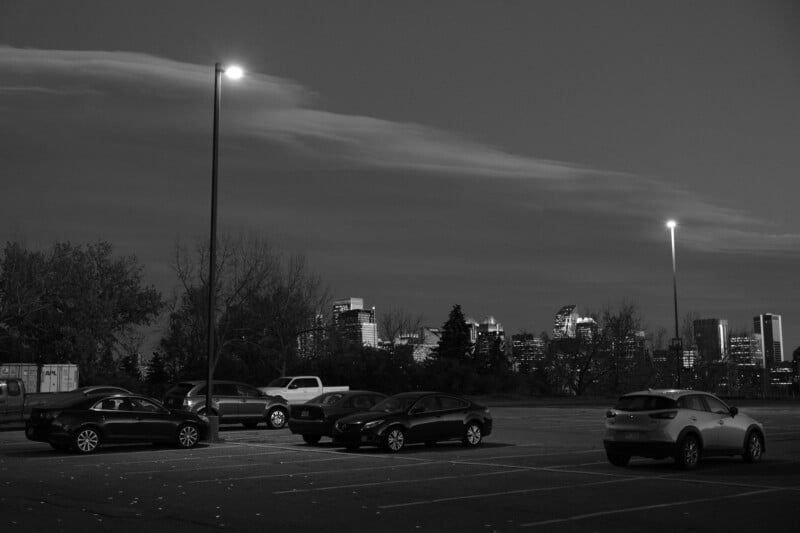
x=665, y=415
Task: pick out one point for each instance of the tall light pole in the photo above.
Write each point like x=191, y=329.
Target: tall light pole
x=676, y=342
x=232, y=72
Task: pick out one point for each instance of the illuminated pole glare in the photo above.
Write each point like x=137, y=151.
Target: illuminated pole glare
x=671, y=225
x=233, y=73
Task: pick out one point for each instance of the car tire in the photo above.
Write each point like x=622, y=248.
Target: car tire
x=688, y=453
x=276, y=418
x=394, y=440
x=86, y=440
x=311, y=439
x=473, y=435
x=618, y=459
x=753, y=447
x=187, y=436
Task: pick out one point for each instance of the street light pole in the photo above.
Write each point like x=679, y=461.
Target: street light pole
x=676, y=340
x=234, y=73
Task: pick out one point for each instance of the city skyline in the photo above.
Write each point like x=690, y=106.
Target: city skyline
x=506, y=158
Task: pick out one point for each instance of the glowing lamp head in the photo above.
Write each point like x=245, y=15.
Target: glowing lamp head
x=671, y=224
x=233, y=72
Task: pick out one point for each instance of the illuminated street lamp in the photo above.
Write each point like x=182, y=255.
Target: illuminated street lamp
x=676, y=341
x=234, y=73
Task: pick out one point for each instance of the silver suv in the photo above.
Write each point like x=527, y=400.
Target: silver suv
x=683, y=424
x=232, y=401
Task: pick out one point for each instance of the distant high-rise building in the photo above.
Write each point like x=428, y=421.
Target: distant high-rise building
x=490, y=331
x=356, y=324
x=711, y=338
x=744, y=349
x=586, y=328
x=527, y=349
x=769, y=332
x=565, y=321
x=345, y=304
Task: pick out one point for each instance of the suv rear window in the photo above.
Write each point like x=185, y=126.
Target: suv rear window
x=643, y=402
x=181, y=389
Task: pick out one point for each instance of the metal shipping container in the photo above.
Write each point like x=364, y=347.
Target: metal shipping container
x=27, y=372
x=59, y=378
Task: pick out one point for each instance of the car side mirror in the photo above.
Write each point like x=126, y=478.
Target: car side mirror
x=734, y=411
x=417, y=410
x=293, y=386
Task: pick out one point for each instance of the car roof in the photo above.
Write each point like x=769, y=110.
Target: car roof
x=673, y=394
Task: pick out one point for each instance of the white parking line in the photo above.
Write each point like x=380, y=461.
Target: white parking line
x=506, y=493
x=242, y=465
x=295, y=474
x=396, y=482
x=646, y=508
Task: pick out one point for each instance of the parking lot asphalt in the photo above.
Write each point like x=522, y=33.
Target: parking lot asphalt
x=543, y=469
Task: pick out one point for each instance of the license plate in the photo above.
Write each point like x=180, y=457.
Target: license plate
x=304, y=413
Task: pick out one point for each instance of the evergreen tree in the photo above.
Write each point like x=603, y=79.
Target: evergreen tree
x=455, y=342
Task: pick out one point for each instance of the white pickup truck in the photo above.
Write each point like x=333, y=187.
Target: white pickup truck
x=299, y=389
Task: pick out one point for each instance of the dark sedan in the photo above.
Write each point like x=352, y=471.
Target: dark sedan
x=84, y=424
x=411, y=417
x=315, y=418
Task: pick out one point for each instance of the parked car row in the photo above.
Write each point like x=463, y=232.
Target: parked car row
x=681, y=424
x=364, y=418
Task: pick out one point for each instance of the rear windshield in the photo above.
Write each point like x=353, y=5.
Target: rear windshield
x=181, y=389
x=643, y=402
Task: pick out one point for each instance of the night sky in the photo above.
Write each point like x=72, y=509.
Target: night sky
x=511, y=157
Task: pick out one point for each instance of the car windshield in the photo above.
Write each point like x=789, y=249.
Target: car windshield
x=644, y=402
x=280, y=382
x=329, y=398
x=395, y=403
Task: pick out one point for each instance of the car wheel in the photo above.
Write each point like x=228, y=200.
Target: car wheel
x=311, y=439
x=86, y=440
x=754, y=448
x=688, y=452
x=394, y=440
x=276, y=418
x=187, y=436
x=617, y=459
x=472, y=435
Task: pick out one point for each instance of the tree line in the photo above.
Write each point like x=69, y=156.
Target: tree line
x=81, y=304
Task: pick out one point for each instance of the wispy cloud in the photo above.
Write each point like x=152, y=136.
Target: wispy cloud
x=272, y=109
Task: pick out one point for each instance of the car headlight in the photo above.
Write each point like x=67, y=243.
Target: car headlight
x=374, y=423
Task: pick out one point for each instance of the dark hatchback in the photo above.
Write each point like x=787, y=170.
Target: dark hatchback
x=412, y=417
x=84, y=424
x=315, y=418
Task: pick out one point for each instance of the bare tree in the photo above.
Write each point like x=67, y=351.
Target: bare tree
x=396, y=322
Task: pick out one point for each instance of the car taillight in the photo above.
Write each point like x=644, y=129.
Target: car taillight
x=665, y=415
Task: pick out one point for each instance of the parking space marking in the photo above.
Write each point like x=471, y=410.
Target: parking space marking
x=240, y=465
x=646, y=508
x=397, y=482
x=507, y=493
x=318, y=472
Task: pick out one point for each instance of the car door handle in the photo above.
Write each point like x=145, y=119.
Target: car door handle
x=721, y=422
x=693, y=419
